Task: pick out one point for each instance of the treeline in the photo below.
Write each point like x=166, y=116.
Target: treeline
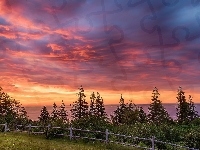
x=11, y=111
x=126, y=113
x=128, y=118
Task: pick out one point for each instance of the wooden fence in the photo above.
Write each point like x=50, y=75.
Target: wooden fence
x=107, y=136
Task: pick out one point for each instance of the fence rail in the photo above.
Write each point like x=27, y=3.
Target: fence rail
x=71, y=135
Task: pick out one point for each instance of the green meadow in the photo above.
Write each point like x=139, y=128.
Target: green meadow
x=23, y=141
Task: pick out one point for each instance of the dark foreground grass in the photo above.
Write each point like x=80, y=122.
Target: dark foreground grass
x=23, y=141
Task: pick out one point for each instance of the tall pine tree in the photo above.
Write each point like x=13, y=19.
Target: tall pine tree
x=63, y=113
x=119, y=113
x=100, y=109
x=55, y=112
x=80, y=106
x=193, y=114
x=157, y=113
x=183, y=109
x=92, y=109
x=44, y=117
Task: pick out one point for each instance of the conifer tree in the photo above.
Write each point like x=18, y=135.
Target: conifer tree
x=119, y=113
x=183, y=107
x=100, y=108
x=97, y=108
x=6, y=108
x=193, y=114
x=92, y=109
x=44, y=116
x=131, y=114
x=63, y=113
x=80, y=106
x=11, y=110
x=55, y=112
x=157, y=113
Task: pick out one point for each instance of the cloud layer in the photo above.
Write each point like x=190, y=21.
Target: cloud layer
x=48, y=49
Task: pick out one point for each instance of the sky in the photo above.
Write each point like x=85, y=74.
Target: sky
x=50, y=48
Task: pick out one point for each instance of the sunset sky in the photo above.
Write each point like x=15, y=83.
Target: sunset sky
x=49, y=48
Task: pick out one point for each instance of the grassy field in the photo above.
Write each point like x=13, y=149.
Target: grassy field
x=23, y=141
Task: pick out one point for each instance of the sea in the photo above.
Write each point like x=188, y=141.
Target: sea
x=34, y=111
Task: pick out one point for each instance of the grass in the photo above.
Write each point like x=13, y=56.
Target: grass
x=23, y=141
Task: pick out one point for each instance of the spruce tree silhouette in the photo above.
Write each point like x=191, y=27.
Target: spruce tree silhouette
x=92, y=109
x=183, y=107
x=193, y=114
x=44, y=117
x=63, y=113
x=100, y=108
x=157, y=112
x=186, y=110
x=80, y=106
x=97, y=108
x=118, y=117
x=55, y=112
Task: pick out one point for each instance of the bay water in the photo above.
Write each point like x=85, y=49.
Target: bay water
x=34, y=111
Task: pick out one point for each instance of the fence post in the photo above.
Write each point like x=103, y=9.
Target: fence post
x=6, y=126
x=153, y=143
x=70, y=133
x=106, y=135
x=29, y=129
x=47, y=131
x=16, y=127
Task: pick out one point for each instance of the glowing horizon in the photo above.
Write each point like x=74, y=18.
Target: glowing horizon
x=112, y=97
